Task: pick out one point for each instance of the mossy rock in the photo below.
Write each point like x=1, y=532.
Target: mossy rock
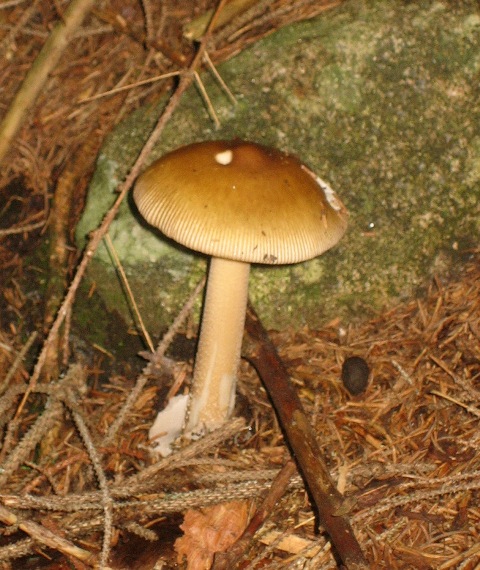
x=381, y=99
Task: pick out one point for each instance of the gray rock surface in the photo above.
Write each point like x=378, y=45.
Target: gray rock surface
x=382, y=100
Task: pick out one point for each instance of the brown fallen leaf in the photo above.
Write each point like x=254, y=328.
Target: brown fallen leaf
x=210, y=530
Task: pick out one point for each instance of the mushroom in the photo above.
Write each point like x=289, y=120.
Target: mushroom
x=240, y=203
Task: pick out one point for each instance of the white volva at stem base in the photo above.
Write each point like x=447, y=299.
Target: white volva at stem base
x=218, y=355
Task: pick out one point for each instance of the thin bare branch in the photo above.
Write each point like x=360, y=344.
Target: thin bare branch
x=37, y=75
x=17, y=362
x=45, y=536
x=130, y=86
x=22, y=229
x=131, y=298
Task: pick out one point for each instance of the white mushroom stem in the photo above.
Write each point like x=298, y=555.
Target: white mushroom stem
x=218, y=355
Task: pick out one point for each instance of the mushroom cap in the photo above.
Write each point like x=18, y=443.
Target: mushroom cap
x=242, y=201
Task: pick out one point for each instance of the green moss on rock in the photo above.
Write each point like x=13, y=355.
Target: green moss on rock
x=381, y=99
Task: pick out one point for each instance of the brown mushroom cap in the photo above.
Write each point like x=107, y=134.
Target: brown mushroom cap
x=242, y=201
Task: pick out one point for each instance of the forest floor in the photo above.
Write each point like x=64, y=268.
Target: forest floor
x=80, y=485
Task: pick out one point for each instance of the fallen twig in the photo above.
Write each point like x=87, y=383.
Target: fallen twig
x=226, y=560
x=40, y=70
x=18, y=360
x=107, y=502
x=22, y=229
x=301, y=439
x=46, y=537
x=209, y=441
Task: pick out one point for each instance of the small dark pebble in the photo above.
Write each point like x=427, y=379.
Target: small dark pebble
x=355, y=373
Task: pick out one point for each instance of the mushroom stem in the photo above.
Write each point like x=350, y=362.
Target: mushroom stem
x=218, y=354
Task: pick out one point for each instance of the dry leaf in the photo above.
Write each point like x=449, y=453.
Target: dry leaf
x=210, y=530
x=291, y=543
